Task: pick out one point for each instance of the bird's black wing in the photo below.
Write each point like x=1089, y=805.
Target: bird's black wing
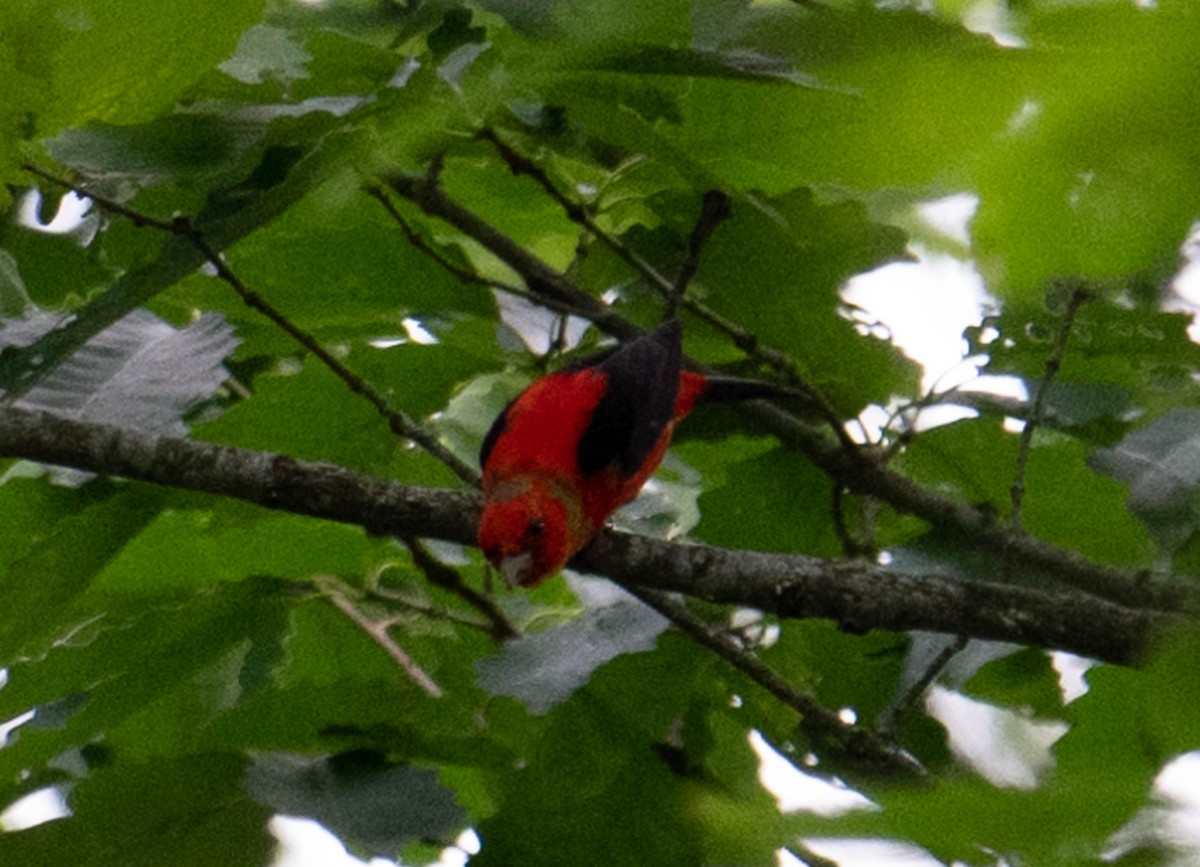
x=638, y=403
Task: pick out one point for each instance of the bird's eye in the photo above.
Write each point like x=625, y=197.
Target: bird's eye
x=535, y=528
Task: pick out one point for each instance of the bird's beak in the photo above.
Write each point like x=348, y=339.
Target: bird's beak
x=516, y=569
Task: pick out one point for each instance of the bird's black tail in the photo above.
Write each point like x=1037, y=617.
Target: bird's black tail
x=730, y=389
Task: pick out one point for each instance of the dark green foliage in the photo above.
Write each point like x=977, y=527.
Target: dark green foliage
x=189, y=660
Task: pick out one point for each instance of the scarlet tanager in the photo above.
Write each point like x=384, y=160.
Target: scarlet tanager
x=579, y=443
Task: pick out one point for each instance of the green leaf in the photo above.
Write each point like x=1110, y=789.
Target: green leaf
x=1023, y=680
x=598, y=757
x=282, y=175
x=54, y=543
x=1172, y=688
x=644, y=60
x=736, y=818
x=1136, y=347
x=454, y=32
x=1159, y=464
x=192, y=545
x=786, y=293
x=771, y=501
x=341, y=269
x=120, y=659
x=374, y=805
x=976, y=460
x=189, y=811
x=309, y=414
x=543, y=670
x=843, y=671
x=605, y=22
x=871, y=128
x=53, y=268
x=97, y=77
x=188, y=147
x=28, y=47
x=1098, y=143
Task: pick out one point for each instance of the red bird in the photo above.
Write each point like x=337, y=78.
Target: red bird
x=576, y=445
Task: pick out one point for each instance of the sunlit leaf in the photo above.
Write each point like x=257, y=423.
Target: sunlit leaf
x=544, y=669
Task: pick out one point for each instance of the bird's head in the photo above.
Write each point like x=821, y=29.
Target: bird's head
x=526, y=531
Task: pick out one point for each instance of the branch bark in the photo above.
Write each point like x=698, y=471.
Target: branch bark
x=858, y=596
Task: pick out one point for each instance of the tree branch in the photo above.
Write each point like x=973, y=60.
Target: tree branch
x=440, y=575
x=858, y=596
x=864, y=475
x=543, y=280
x=714, y=210
x=318, y=490
x=844, y=463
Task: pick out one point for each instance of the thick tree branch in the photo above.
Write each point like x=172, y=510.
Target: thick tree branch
x=858, y=596
x=274, y=481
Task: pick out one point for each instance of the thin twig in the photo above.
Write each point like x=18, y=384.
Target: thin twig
x=544, y=282
x=714, y=210
x=802, y=853
x=441, y=575
x=851, y=547
x=889, y=722
x=464, y=275
x=582, y=249
x=862, y=746
x=377, y=631
x=1078, y=296
x=398, y=421
x=576, y=212
x=414, y=238
x=138, y=219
